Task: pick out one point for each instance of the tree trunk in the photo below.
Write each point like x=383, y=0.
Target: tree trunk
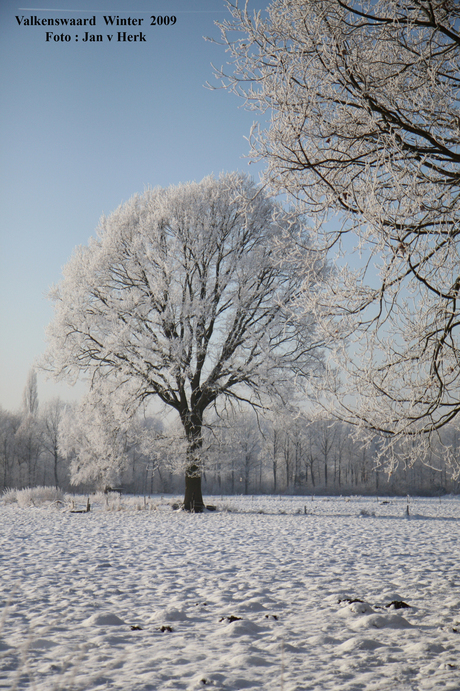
x=287, y=461
x=56, y=461
x=193, y=498
x=247, y=469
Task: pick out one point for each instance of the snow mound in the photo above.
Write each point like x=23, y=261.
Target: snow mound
x=423, y=648
x=381, y=621
x=357, y=643
x=174, y=614
x=242, y=627
x=352, y=608
x=360, y=608
x=104, y=620
x=169, y=614
x=202, y=680
x=42, y=644
x=253, y=605
x=322, y=640
x=392, y=596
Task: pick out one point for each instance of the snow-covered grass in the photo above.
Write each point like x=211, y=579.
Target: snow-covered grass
x=33, y=496
x=271, y=593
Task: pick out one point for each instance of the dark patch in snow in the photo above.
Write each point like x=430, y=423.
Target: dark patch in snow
x=394, y=604
x=136, y=628
x=231, y=619
x=163, y=629
x=350, y=600
x=271, y=616
x=398, y=604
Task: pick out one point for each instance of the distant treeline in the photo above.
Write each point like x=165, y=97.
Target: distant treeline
x=242, y=454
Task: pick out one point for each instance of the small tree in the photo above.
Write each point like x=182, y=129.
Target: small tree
x=9, y=424
x=185, y=296
x=51, y=417
x=365, y=124
x=30, y=395
x=29, y=433
x=95, y=442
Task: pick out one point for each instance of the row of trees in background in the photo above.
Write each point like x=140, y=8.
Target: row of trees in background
x=29, y=439
x=77, y=447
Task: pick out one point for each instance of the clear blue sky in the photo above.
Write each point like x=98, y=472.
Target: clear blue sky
x=83, y=127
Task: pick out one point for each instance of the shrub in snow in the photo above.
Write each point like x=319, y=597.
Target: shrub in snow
x=365, y=512
x=33, y=496
x=9, y=496
x=228, y=508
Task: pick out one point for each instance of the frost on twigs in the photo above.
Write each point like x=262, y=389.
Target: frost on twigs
x=365, y=134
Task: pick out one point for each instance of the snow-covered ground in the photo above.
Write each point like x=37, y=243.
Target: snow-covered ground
x=259, y=595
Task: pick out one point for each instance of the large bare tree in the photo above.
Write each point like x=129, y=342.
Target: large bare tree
x=362, y=104
x=186, y=296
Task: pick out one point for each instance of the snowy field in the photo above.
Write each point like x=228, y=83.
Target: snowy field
x=258, y=595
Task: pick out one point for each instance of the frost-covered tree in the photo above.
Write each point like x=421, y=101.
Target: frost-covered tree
x=187, y=296
x=51, y=418
x=233, y=445
x=29, y=433
x=95, y=441
x=363, y=99
x=9, y=424
x=30, y=394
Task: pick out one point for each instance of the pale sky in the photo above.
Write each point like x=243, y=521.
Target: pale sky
x=83, y=127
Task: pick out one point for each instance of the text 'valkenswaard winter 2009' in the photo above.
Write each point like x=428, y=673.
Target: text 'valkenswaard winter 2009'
x=109, y=20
